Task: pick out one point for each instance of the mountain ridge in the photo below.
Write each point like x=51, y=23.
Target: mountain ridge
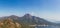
x=27, y=18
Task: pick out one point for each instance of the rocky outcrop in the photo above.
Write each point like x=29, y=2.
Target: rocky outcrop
x=9, y=23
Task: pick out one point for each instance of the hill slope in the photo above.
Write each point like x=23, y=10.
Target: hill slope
x=9, y=23
x=28, y=19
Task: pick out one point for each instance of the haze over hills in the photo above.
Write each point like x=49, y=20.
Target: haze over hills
x=29, y=19
x=25, y=21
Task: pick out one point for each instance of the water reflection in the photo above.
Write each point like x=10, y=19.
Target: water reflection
x=47, y=27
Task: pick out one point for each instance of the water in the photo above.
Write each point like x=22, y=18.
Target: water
x=47, y=27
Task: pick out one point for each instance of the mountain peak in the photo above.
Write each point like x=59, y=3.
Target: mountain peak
x=13, y=16
x=27, y=15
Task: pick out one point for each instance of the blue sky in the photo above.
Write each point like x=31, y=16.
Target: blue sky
x=48, y=9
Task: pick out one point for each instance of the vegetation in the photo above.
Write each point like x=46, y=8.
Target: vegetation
x=22, y=22
x=8, y=23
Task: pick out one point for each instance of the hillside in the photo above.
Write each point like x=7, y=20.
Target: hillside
x=29, y=19
x=9, y=23
x=23, y=22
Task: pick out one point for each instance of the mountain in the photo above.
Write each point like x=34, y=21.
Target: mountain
x=9, y=23
x=29, y=20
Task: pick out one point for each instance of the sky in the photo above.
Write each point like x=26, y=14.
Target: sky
x=47, y=9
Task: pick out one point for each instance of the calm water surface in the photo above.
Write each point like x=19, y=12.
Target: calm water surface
x=47, y=27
